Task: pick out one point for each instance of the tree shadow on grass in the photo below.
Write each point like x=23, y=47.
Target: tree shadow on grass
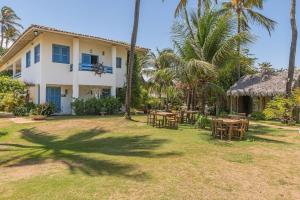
x=259, y=132
x=3, y=133
x=81, y=152
x=256, y=133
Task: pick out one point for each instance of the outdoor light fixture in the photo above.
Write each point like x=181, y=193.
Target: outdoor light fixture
x=35, y=32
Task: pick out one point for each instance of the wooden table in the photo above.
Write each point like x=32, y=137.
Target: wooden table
x=230, y=123
x=165, y=115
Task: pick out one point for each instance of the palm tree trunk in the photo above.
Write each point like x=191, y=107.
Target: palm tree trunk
x=2, y=36
x=292, y=49
x=239, y=46
x=131, y=58
x=6, y=43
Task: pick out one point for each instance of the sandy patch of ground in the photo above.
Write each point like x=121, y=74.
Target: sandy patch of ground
x=21, y=120
x=27, y=171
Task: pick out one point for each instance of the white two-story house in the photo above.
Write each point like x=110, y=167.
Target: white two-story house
x=58, y=65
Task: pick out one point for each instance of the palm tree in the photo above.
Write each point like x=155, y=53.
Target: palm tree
x=200, y=5
x=245, y=12
x=131, y=58
x=160, y=71
x=11, y=34
x=213, y=46
x=8, y=19
x=292, y=49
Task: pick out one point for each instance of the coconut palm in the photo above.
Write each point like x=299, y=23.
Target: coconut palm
x=213, y=46
x=131, y=58
x=160, y=71
x=200, y=5
x=11, y=34
x=245, y=11
x=293, y=49
x=8, y=19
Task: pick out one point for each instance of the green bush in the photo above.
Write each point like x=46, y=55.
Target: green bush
x=94, y=106
x=280, y=108
x=24, y=110
x=258, y=116
x=78, y=106
x=9, y=101
x=12, y=93
x=45, y=109
x=202, y=121
x=20, y=111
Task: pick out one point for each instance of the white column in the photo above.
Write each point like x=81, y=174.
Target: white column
x=36, y=93
x=43, y=86
x=114, y=67
x=14, y=70
x=76, y=54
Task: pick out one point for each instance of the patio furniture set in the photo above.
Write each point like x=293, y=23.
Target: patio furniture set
x=164, y=119
x=231, y=126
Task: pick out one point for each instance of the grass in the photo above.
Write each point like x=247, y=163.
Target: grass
x=111, y=158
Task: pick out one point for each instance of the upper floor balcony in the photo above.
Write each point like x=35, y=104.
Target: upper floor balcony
x=96, y=67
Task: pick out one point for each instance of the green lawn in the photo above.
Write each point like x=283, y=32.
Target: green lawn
x=111, y=158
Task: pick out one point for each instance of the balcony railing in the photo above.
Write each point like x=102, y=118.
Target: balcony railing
x=18, y=75
x=90, y=67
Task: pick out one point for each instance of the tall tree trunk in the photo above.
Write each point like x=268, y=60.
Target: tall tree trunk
x=2, y=36
x=239, y=46
x=131, y=58
x=6, y=43
x=292, y=49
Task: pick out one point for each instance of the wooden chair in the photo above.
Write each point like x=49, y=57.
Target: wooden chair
x=172, y=122
x=220, y=129
x=213, y=126
x=183, y=117
x=159, y=122
x=240, y=130
x=151, y=118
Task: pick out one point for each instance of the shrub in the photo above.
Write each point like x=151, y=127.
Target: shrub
x=24, y=110
x=202, y=122
x=45, y=109
x=20, y=111
x=94, y=106
x=258, y=116
x=280, y=108
x=9, y=101
x=78, y=106
x=12, y=93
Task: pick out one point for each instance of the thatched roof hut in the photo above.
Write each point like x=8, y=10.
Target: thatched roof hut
x=252, y=92
x=268, y=84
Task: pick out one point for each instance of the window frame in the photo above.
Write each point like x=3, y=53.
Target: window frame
x=119, y=60
x=37, y=53
x=59, y=58
x=28, y=58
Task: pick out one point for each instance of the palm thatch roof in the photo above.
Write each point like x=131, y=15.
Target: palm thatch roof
x=262, y=84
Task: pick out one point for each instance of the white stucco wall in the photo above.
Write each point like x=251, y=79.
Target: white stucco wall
x=30, y=74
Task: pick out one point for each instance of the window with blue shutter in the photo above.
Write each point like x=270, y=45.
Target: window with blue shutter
x=37, y=52
x=86, y=59
x=119, y=62
x=28, y=55
x=60, y=54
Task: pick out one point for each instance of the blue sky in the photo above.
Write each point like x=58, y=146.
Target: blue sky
x=113, y=19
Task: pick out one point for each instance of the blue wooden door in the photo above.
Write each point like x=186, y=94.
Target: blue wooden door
x=53, y=95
